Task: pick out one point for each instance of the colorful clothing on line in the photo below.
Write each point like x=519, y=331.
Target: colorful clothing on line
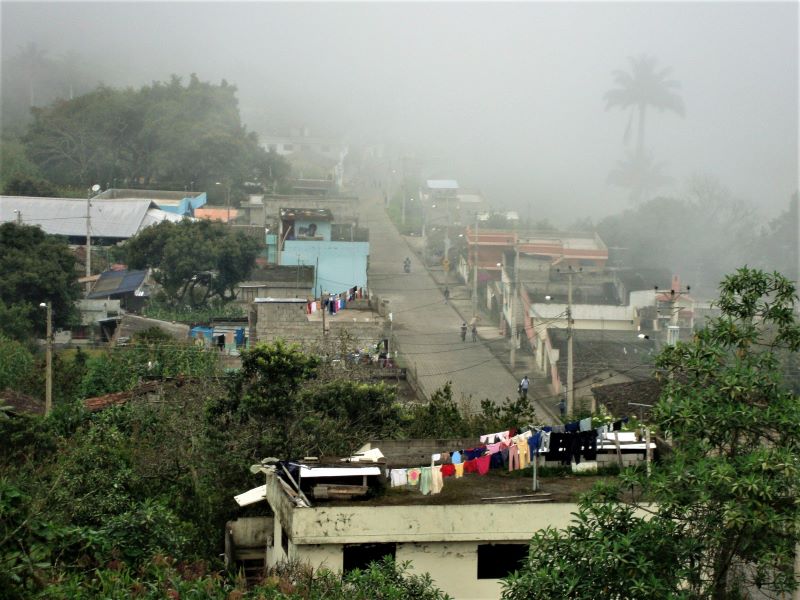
x=448, y=470
x=585, y=424
x=471, y=466
x=413, y=476
x=524, y=453
x=513, y=457
x=425, y=481
x=455, y=458
x=437, y=483
x=482, y=464
x=398, y=477
x=459, y=470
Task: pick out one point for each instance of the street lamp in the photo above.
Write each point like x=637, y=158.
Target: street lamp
x=93, y=190
x=48, y=401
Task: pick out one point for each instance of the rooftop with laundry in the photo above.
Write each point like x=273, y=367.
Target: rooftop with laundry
x=495, y=468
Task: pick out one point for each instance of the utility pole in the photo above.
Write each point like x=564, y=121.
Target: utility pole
x=323, y=297
x=95, y=188
x=475, y=272
x=514, y=294
x=447, y=243
x=48, y=402
x=570, y=365
x=88, y=240
x=19, y=217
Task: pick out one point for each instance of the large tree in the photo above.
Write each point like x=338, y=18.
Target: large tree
x=645, y=86
x=34, y=268
x=195, y=262
x=166, y=134
x=722, y=508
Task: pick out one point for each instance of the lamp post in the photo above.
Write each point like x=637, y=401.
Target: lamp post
x=94, y=189
x=48, y=402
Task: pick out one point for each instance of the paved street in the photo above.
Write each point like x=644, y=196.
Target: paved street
x=426, y=329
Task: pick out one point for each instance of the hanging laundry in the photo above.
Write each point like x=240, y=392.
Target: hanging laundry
x=455, y=458
x=585, y=424
x=413, y=476
x=471, y=466
x=524, y=453
x=496, y=461
x=448, y=470
x=571, y=427
x=437, y=482
x=513, y=457
x=482, y=464
x=398, y=477
x=544, y=441
x=471, y=453
x=459, y=470
x=425, y=481
x=589, y=445
x=436, y=457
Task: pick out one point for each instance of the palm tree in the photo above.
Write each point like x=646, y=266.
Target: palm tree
x=645, y=85
x=640, y=174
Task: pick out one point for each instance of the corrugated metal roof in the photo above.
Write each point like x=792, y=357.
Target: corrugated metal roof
x=67, y=216
x=117, y=282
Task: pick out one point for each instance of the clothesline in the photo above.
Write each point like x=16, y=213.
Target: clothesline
x=333, y=303
x=507, y=450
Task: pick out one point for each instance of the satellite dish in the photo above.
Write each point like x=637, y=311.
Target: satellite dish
x=96, y=187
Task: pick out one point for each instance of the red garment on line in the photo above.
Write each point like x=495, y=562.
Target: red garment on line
x=471, y=466
x=483, y=464
x=448, y=470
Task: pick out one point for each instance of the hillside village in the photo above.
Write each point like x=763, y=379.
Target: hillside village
x=320, y=359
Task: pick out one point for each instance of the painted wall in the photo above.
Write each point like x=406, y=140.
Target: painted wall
x=320, y=229
x=342, y=265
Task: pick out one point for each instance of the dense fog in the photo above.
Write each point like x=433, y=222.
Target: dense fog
x=507, y=98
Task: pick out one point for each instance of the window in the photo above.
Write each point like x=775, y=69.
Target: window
x=288, y=147
x=496, y=561
x=358, y=556
x=284, y=541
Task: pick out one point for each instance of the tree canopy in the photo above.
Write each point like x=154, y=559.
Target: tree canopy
x=196, y=262
x=719, y=515
x=34, y=268
x=169, y=134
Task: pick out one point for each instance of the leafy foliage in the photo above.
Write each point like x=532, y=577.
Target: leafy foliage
x=34, y=268
x=16, y=363
x=121, y=368
x=195, y=261
x=724, y=517
x=168, y=133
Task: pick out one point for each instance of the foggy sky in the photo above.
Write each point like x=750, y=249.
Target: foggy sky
x=507, y=97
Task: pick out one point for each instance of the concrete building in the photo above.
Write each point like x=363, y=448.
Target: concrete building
x=289, y=320
x=277, y=281
x=342, y=515
x=308, y=153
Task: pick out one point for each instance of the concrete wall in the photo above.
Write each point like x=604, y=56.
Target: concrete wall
x=342, y=265
x=440, y=540
x=288, y=321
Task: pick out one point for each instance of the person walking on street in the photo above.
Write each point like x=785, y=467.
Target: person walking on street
x=474, y=332
x=446, y=294
x=523, y=387
x=562, y=408
x=463, y=332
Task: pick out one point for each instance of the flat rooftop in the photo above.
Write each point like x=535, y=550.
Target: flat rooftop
x=494, y=487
